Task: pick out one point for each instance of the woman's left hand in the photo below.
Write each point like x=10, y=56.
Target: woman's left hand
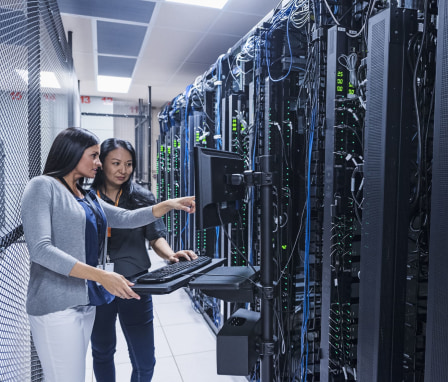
x=185, y=203
x=184, y=255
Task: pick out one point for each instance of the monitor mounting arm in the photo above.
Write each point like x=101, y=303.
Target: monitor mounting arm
x=250, y=178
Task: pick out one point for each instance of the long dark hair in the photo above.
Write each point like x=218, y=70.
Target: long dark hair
x=67, y=150
x=134, y=198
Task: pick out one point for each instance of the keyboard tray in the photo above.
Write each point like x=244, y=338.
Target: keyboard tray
x=170, y=286
x=232, y=284
x=173, y=271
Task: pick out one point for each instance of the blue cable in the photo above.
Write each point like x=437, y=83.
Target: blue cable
x=218, y=103
x=187, y=137
x=217, y=242
x=304, y=345
x=186, y=160
x=290, y=55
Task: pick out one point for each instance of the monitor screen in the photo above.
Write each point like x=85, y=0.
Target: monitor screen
x=217, y=200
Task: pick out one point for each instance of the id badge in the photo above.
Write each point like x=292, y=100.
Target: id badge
x=109, y=267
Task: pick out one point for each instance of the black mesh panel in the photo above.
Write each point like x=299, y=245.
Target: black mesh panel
x=33, y=49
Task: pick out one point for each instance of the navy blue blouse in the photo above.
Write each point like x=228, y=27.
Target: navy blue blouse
x=95, y=235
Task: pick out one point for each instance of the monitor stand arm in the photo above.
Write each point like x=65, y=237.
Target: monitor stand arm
x=266, y=270
x=263, y=179
x=250, y=178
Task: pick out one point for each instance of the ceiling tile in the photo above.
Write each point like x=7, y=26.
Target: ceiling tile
x=153, y=71
x=116, y=66
x=167, y=44
x=189, y=71
x=84, y=66
x=82, y=33
x=120, y=39
x=236, y=24
x=211, y=48
x=251, y=7
x=129, y=10
x=185, y=17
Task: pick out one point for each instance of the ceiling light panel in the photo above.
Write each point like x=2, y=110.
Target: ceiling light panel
x=47, y=79
x=219, y=4
x=110, y=84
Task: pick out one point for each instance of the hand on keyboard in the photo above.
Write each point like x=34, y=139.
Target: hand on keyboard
x=183, y=255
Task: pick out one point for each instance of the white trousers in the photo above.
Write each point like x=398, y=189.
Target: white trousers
x=61, y=340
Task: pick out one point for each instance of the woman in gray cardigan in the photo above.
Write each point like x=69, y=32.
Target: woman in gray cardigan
x=65, y=231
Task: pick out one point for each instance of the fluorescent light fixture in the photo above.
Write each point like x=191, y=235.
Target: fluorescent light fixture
x=47, y=79
x=113, y=84
x=219, y=4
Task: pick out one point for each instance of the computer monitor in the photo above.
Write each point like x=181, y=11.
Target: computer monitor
x=217, y=199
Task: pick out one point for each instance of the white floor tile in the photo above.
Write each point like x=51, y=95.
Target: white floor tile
x=156, y=321
x=201, y=367
x=178, y=295
x=177, y=314
x=166, y=371
x=161, y=344
x=123, y=372
x=190, y=338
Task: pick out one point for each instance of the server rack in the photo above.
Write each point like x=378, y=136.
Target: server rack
x=436, y=367
x=341, y=136
x=342, y=215
x=386, y=211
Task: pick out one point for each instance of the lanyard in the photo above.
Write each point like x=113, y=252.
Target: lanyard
x=68, y=187
x=109, y=231
x=102, y=243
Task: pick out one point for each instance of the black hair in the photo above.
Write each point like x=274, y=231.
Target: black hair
x=67, y=150
x=133, y=194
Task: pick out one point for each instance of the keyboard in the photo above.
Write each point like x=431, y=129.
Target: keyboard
x=172, y=271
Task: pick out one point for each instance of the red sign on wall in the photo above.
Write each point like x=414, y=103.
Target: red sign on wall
x=107, y=100
x=85, y=99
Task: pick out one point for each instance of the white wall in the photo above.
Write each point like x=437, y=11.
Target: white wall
x=103, y=127
x=119, y=127
x=108, y=126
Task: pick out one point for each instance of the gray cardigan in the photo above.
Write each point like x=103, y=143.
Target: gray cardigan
x=54, y=225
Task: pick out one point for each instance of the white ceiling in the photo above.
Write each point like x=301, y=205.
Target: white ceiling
x=180, y=41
